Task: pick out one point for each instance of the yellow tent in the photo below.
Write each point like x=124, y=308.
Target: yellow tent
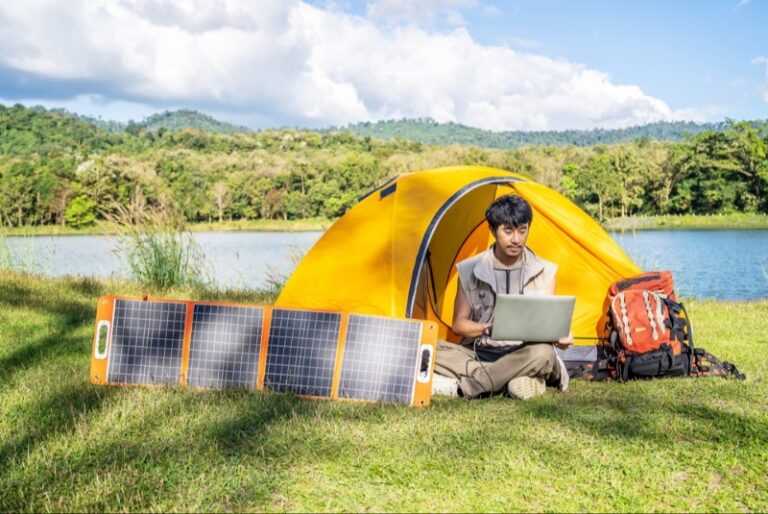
x=395, y=252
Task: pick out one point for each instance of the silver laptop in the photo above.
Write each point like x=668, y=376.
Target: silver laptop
x=534, y=318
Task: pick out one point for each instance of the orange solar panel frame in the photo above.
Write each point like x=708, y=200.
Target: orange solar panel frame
x=422, y=378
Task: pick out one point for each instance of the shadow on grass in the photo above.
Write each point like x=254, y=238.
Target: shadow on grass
x=168, y=449
x=55, y=414
x=652, y=419
x=154, y=454
x=69, y=307
x=160, y=451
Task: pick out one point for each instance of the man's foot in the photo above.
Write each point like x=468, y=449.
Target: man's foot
x=444, y=386
x=524, y=388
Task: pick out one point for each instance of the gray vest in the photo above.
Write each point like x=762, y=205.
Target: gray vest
x=476, y=278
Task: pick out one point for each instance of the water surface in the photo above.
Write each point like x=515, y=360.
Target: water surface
x=721, y=264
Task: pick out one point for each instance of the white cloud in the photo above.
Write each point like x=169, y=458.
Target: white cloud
x=522, y=42
x=419, y=12
x=289, y=63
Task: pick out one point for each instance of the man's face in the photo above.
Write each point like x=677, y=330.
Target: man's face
x=511, y=240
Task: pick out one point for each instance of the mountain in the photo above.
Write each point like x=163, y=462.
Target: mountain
x=185, y=119
x=25, y=130
x=168, y=120
x=429, y=131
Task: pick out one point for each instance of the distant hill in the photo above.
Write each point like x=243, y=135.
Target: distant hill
x=429, y=131
x=37, y=129
x=26, y=130
x=185, y=119
x=168, y=120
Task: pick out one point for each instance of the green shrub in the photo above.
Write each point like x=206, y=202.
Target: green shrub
x=81, y=212
x=159, y=251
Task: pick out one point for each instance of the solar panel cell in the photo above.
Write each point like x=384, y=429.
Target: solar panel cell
x=381, y=359
x=224, y=350
x=147, y=339
x=301, y=355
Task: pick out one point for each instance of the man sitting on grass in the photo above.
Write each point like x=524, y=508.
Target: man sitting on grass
x=483, y=365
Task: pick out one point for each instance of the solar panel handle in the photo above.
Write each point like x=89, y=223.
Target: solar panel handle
x=425, y=366
x=102, y=329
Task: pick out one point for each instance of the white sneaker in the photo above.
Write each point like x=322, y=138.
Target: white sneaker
x=444, y=386
x=524, y=388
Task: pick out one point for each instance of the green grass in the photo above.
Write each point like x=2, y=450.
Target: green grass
x=161, y=252
x=65, y=445
x=690, y=221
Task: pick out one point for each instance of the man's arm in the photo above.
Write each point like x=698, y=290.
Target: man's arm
x=462, y=324
x=565, y=342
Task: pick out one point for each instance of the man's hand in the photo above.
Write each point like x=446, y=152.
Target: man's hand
x=565, y=342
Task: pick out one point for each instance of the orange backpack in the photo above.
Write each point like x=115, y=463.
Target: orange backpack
x=650, y=333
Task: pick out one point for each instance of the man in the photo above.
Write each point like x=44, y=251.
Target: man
x=483, y=365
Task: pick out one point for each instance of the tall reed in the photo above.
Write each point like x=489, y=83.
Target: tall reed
x=23, y=255
x=6, y=259
x=159, y=251
x=276, y=278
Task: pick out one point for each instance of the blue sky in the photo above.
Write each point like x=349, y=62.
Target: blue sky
x=688, y=53
x=503, y=65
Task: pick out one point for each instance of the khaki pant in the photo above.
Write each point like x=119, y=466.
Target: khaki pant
x=476, y=377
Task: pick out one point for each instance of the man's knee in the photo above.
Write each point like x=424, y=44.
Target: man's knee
x=541, y=356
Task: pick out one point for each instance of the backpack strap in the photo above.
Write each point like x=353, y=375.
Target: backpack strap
x=733, y=371
x=707, y=365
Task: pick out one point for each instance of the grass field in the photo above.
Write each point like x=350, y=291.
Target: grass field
x=689, y=221
x=65, y=445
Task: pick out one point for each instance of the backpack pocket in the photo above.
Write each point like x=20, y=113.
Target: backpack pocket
x=659, y=363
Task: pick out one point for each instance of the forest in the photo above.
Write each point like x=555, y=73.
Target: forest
x=429, y=131
x=56, y=168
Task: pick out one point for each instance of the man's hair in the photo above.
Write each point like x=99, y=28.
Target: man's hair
x=510, y=210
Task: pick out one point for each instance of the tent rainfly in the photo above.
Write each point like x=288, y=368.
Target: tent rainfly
x=395, y=252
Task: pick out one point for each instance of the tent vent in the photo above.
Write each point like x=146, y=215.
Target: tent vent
x=387, y=191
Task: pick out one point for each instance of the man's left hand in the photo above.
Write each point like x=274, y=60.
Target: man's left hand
x=565, y=342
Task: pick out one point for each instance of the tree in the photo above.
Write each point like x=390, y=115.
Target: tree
x=710, y=174
x=188, y=186
x=219, y=192
x=595, y=186
x=81, y=212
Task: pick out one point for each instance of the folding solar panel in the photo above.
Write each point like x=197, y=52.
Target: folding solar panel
x=317, y=354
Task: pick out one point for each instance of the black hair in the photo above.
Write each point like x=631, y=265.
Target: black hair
x=510, y=210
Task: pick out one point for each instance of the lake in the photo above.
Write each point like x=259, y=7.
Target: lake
x=721, y=264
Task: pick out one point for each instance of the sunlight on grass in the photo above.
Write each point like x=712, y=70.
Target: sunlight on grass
x=65, y=445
